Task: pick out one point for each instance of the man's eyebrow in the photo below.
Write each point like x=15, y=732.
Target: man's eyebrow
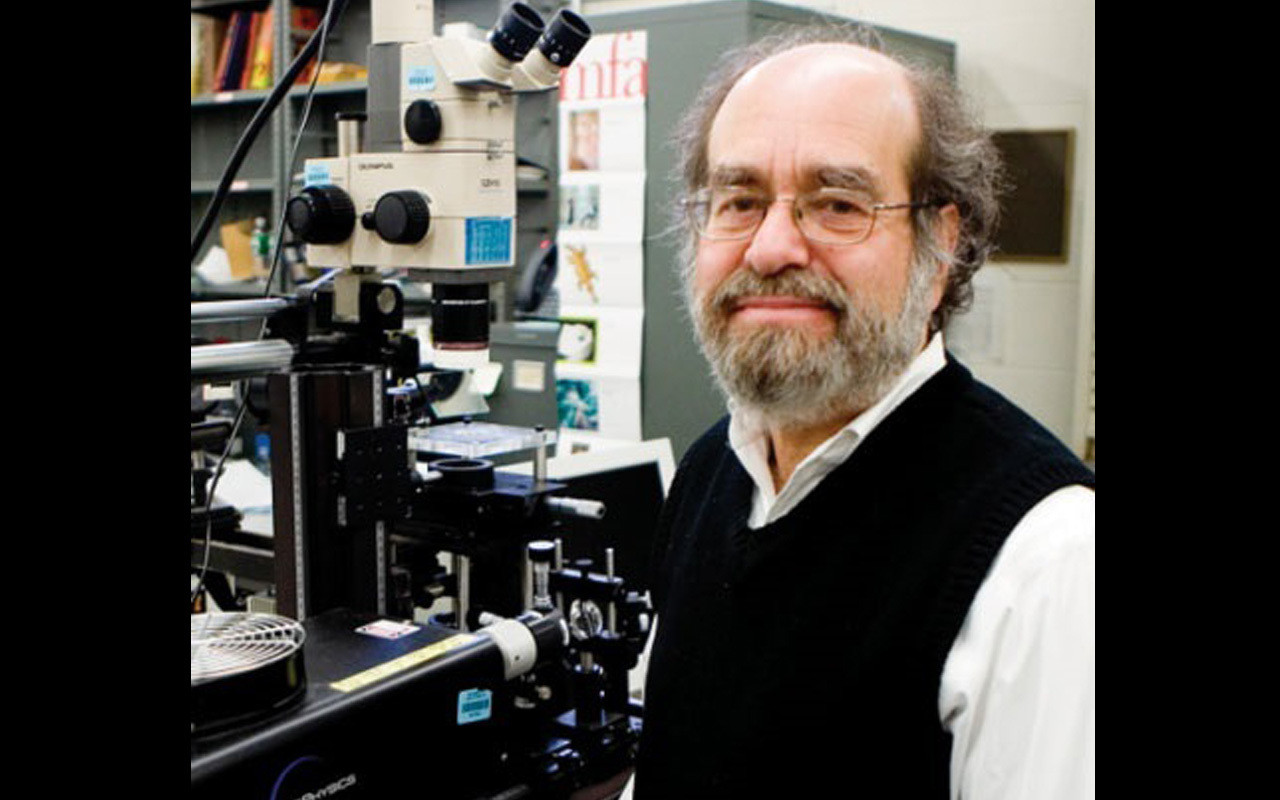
x=859, y=179
x=729, y=175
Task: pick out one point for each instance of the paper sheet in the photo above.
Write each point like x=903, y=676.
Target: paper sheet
x=601, y=234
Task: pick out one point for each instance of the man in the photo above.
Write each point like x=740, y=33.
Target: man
x=874, y=578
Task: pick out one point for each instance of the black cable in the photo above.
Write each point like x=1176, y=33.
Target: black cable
x=260, y=118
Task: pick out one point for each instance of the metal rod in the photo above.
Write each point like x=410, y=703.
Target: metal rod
x=295, y=490
x=348, y=135
x=222, y=310
x=526, y=579
x=462, y=570
x=379, y=527
x=559, y=565
x=225, y=362
x=613, y=608
x=540, y=459
x=574, y=507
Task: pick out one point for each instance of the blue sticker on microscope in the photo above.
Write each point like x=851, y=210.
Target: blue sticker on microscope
x=488, y=240
x=421, y=79
x=474, y=705
x=315, y=175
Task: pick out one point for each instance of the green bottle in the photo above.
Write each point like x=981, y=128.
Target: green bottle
x=261, y=244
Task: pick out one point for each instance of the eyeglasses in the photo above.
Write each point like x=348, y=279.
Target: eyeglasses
x=828, y=215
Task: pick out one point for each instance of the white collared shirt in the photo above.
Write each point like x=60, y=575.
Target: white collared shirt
x=1017, y=689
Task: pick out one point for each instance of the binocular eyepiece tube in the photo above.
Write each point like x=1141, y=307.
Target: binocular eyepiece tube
x=516, y=32
x=520, y=32
x=564, y=38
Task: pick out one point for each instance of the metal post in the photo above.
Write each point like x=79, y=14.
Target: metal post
x=559, y=562
x=613, y=608
x=462, y=571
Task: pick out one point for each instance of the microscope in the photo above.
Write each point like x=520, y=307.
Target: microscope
x=434, y=190
x=520, y=688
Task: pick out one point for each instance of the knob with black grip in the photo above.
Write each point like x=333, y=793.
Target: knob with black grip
x=402, y=217
x=321, y=215
x=422, y=122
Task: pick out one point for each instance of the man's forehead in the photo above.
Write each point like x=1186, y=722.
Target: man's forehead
x=845, y=56
x=829, y=77
x=813, y=98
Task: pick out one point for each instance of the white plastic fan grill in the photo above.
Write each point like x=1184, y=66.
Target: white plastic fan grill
x=231, y=644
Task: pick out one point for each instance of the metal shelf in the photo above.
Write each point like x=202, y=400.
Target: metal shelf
x=219, y=6
x=237, y=186
x=223, y=6
x=258, y=95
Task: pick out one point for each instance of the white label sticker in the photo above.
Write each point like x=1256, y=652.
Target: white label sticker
x=528, y=376
x=474, y=705
x=315, y=175
x=421, y=79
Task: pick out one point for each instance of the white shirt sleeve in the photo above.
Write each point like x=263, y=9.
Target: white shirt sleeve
x=629, y=789
x=1017, y=690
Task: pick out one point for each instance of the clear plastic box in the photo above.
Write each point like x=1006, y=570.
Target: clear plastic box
x=477, y=439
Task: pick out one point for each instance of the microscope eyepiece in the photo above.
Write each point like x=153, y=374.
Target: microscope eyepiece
x=564, y=38
x=516, y=32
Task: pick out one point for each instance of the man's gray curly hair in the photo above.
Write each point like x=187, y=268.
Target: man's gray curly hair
x=954, y=162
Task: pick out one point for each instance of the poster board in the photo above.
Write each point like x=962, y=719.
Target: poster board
x=1035, y=222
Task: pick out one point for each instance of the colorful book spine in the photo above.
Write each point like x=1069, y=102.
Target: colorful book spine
x=260, y=62
x=240, y=28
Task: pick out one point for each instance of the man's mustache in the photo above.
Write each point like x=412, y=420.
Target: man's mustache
x=789, y=283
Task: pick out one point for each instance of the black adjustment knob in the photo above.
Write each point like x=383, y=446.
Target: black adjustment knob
x=542, y=551
x=321, y=215
x=422, y=123
x=402, y=217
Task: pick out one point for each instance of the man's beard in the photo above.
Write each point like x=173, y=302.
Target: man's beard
x=794, y=377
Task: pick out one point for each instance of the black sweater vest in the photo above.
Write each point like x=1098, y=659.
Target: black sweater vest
x=803, y=659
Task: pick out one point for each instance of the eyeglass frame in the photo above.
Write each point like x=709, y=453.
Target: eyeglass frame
x=687, y=203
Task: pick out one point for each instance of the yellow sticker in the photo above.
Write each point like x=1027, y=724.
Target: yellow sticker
x=406, y=661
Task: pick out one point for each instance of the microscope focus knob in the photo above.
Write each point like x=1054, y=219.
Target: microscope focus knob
x=422, y=122
x=321, y=215
x=402, y=217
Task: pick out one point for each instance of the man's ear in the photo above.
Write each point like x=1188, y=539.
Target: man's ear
x=947, y=232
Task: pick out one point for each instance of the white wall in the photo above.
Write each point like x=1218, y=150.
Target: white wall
x=1028, y=64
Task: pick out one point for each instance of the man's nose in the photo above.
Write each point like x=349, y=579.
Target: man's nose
x=778, y=244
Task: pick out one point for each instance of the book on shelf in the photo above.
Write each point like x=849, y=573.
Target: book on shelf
x=207, y=35
x=234, y=45
x=341, y=72
x=259, y=76
x=237, y=51
x=305, y=23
